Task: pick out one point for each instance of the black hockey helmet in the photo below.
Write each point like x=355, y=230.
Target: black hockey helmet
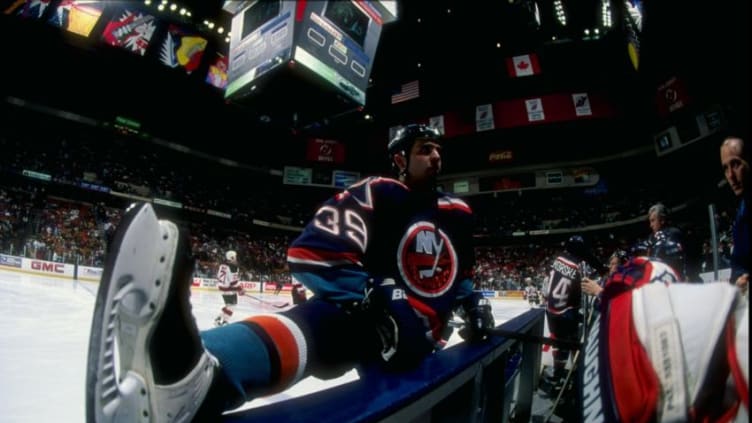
x=406, y=136
x=576, y=245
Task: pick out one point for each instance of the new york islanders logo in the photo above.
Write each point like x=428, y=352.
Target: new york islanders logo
x=427, y=260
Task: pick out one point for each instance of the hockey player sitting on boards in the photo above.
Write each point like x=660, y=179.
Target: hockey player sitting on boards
x=387, y=261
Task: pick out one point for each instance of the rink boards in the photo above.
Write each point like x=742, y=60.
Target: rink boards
x=466, y=382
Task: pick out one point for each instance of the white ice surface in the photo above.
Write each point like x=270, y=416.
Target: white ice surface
x=44, y=333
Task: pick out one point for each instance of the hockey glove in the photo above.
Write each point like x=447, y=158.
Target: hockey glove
x=478, y=318
x=403, y=335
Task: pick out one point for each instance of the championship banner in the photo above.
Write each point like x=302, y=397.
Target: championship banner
x=130, y=29
x=484, y=118
x=534, y=107
x=671, y=96
x=437, y=122
x=217, y=74
x=76, y=16
x=327, y=151
x=32, y=9
x=581, y=104
x=182, y=48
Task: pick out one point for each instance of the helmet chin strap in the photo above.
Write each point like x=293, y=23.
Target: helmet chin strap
x=403, y=172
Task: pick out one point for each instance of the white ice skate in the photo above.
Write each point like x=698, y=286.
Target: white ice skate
x=146, y=362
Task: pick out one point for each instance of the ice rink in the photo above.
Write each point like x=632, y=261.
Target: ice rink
x=44, y=331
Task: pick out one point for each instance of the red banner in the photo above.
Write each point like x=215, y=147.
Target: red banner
x=327, y=151
x=511, y=113
x=672, y=95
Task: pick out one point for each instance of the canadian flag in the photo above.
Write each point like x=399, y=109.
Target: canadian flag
x=524, y=65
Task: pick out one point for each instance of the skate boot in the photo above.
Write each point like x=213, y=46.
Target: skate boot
x=552, y=382
x=146, y=362
x=218, y=321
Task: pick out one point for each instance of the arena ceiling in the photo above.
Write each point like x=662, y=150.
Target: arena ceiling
x=457, y=49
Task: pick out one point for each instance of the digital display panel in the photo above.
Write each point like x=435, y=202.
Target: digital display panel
x=348, y=18
x=335, y=39
x=261, y=40
x=258, y=14
x=294, y=175
x=343, y=179
x=338, y=42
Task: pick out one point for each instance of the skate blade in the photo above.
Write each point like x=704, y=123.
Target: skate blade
x=129, y=302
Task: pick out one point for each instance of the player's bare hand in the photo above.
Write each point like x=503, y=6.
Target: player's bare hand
x=743, y=282
x=590, y=287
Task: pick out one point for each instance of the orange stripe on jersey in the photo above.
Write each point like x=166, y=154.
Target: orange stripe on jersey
x=424, y=309
x=321, y=258
x=287, y=345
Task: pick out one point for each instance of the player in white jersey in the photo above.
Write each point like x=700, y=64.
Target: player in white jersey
x=531, y=292
x=228, y=282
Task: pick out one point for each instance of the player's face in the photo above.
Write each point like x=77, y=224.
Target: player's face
x=735, y=168
x=425, y=162
x=613, y=264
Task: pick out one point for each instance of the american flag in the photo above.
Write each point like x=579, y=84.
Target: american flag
x=407, y=91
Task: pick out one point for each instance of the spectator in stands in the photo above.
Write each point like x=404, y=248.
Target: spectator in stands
x=735, y=161
x=388, y=261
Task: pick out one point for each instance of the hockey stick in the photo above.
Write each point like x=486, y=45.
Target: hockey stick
x=564, y=386
x=571, y=370
x=262, y=301
x=536, y=339
x=526, y=337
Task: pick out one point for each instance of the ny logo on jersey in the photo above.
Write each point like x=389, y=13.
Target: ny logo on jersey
x=427, y=259
x=425, y=243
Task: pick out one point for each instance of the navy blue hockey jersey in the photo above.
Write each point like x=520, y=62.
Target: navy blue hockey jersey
x=377, y=228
